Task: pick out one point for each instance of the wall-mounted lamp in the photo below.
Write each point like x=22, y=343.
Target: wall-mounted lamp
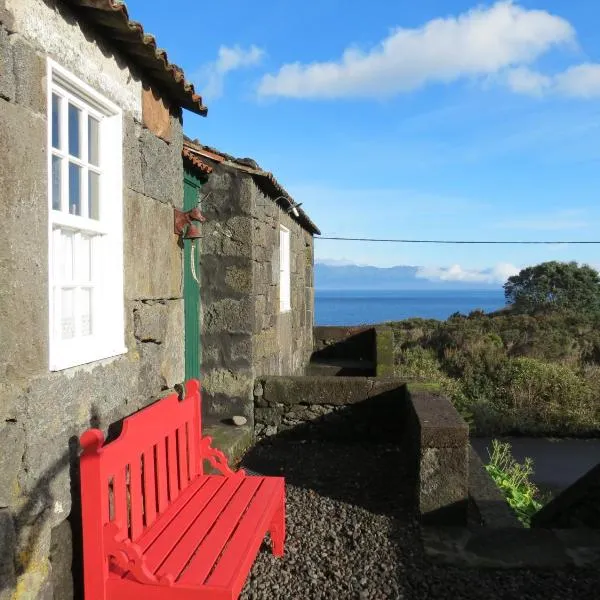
x=292, y=206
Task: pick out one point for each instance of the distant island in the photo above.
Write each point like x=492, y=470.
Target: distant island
x=356, y=277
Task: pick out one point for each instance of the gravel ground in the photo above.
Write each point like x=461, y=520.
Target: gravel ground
x=351, y=534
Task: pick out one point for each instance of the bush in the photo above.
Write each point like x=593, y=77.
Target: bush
x=510, y=373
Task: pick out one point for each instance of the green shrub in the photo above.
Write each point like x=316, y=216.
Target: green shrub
x=510, y=373
x=513, y=480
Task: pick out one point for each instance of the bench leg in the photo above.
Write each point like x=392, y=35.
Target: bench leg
x=277, y=529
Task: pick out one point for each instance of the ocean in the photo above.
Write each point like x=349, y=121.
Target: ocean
x=358, y=307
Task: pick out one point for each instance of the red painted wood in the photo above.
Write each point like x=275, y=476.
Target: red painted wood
x=120, y=499
x=189, y=542
x=247, y=538
x=160, y=546
x=150, y=515
x=172, y=467
x=164, y=520
x=149, y=487
x=162, y=480
x=182, y=451
x=212, y=545
x=136, y=500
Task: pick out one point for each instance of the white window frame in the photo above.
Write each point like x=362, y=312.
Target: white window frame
x=285, y=272
x=107, y=338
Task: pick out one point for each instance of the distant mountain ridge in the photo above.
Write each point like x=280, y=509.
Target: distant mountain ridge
x=402, y=277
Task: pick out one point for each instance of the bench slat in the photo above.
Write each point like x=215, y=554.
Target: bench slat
x=182, y=446
x=230, y=539
x=149, y=487
x=120, y=499
x=172, y=467
x=136, y=501
x=161, y=476
x=175, y=522
x=236, y=491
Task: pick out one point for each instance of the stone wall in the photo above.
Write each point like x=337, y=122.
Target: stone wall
x=244, y=335
x=354, y=349
x=330, y=407
x=576, y=506
x=439, y=447
x=43, y=413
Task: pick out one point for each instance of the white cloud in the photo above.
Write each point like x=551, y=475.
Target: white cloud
x=481, y=42
x=523, y=80
x=228, y=59
x=497, y=274
x=579, y=81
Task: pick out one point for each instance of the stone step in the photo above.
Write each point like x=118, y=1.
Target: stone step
x=357, y=368
x=232, y=440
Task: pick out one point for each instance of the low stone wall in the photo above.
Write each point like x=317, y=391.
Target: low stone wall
x=439, y=444
x=577, y=506
x=330, y=407
x=372, y=345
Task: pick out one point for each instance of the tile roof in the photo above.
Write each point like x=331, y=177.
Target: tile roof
x=264, y=179
x=111, y=19
x=193, y=158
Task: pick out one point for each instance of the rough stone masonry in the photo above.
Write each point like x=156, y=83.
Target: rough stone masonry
x=43, y=413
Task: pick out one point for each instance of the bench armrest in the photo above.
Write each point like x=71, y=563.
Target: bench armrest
x=128, y=557
x=216, y=458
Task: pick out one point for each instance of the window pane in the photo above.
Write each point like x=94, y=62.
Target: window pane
x=56, y=102
x=67, y=322
x=85, y=310
x=74, y=131
x=66, y=256
x=84, y=270
x=93, y=195
x=93, y=141
x=74, y=189
x=56, y=182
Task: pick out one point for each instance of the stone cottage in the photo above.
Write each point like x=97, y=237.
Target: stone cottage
x=91, y=299
x=256, y=278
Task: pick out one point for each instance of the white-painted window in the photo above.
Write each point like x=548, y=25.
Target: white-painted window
x=85, y=229
x=284, y=270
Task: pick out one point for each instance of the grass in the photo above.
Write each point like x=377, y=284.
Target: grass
x=513, y=480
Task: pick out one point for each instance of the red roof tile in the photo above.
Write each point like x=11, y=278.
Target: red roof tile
x=264, y=179
x=111, y=19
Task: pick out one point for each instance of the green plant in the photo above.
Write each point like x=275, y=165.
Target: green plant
x=513, y=480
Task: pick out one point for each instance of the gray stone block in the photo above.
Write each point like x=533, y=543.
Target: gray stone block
x=132, y=160
x=24, y=296
x=8, y=543
x=8, y=88
x=29, y=68
x=151, y=321
x=162, y=169
x=152, y=256
x=12, y=447
x=61, y=561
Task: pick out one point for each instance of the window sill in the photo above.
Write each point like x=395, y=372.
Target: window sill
x=285, y=311
x=69, y=362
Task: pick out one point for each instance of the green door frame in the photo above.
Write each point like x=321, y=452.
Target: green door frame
x=191, y=288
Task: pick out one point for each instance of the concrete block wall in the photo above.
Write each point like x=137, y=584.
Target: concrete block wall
x=43, y=413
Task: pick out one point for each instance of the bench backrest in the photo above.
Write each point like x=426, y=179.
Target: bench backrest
x=133, y=479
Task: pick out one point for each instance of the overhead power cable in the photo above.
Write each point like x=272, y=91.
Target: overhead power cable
x=401, y=241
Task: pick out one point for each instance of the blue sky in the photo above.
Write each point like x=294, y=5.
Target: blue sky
x=433, y=119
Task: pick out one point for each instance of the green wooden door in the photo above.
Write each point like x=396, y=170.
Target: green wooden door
x=191, y=288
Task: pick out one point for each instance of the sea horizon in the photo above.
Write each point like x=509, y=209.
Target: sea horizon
x=369, y=306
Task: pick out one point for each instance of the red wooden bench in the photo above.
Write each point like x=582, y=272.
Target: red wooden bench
x=155, y=527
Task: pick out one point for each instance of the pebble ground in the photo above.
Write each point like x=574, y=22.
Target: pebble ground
x=351, y=534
